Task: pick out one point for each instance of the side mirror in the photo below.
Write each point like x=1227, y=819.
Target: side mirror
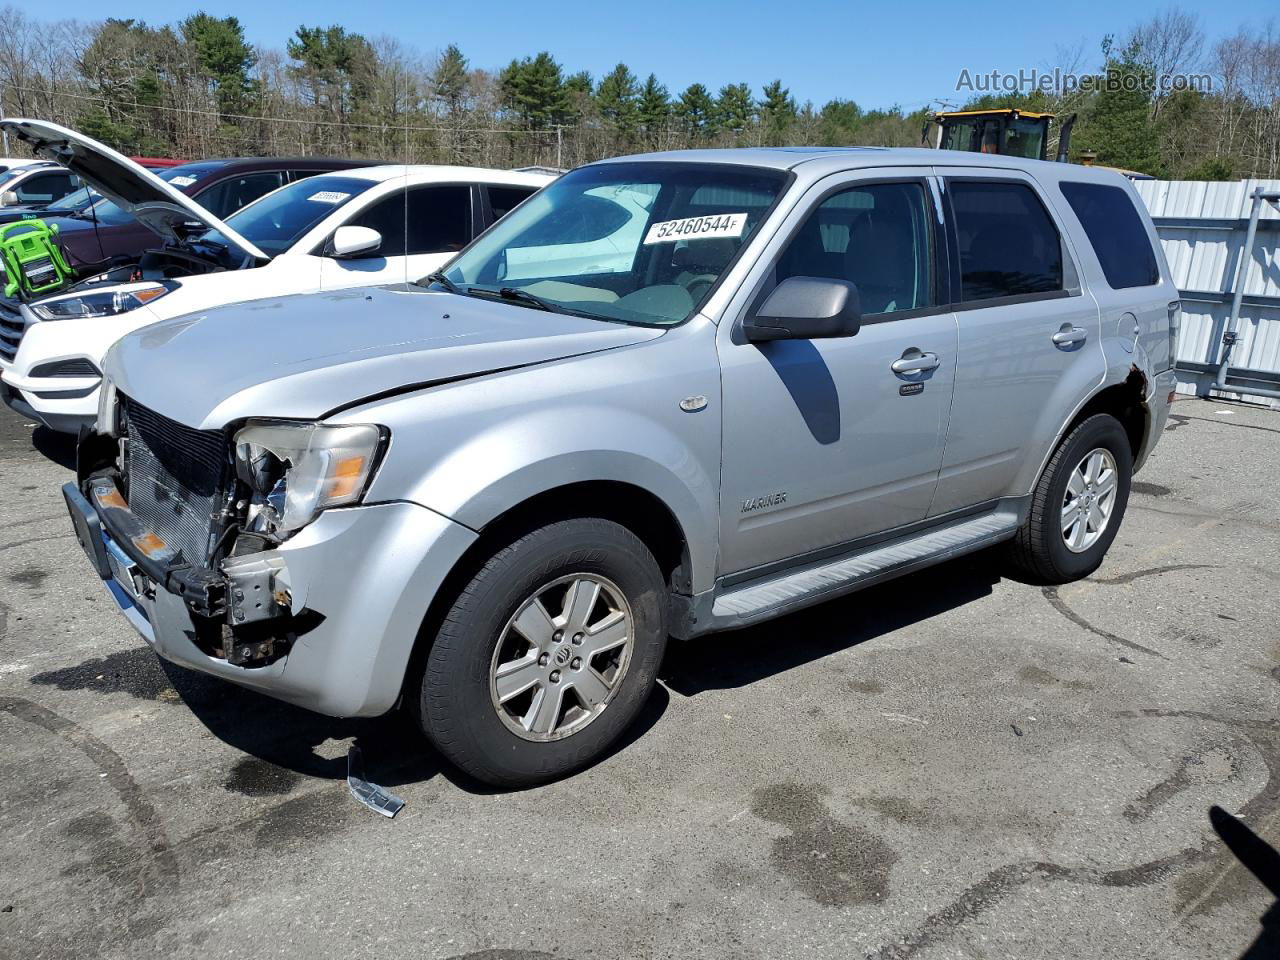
x=350, y=242
x=8, y=197
x=807, y=308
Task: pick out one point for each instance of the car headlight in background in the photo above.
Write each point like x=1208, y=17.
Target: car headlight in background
x=298, y=469
x=104, y=303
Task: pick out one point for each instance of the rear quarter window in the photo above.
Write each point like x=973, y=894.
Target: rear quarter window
x=1116, y=232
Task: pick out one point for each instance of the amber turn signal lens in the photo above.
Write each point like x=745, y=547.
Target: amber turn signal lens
x=345, y=479
x=147, y=294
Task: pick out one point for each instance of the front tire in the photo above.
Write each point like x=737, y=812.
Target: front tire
x=547, y=655
x=1078, y=503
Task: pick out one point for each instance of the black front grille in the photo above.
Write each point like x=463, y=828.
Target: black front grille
x=177, y=477
x=12, y=326
x=79, y=367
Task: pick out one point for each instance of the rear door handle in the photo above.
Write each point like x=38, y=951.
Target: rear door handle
x=915, y=362
x=1069, y=335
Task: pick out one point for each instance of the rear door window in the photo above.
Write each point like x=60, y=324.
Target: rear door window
x=294, y=175
x=229, y=195
x=439, y=219
x=504, y=199
x=1007, y=244
x=430, y=220
x=45, y=187
x=1116, y=232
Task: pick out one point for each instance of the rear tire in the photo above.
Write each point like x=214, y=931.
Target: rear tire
x=527, y=679
x=1078, y=503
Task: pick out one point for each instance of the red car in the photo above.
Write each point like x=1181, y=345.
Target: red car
x=157, y=163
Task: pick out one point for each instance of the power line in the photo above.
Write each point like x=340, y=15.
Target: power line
x=191, y=111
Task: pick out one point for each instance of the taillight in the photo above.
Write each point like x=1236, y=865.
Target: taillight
x=1175, y=326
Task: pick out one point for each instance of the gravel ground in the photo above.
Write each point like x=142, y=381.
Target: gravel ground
x=952, y=765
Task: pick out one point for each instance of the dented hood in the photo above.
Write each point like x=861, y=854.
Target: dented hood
x=157, y=205
x=307, y=356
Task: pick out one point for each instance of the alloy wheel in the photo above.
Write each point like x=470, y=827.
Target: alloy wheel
x=552, y=674
x=1089, y=500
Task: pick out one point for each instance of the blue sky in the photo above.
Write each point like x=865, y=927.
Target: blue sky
x=878, y=54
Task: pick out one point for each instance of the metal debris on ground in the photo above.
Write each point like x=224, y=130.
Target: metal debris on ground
x=370, y=794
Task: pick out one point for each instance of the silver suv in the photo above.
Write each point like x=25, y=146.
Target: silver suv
x=667, y=395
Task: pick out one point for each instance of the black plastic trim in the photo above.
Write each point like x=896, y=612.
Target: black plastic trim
x=768, y=571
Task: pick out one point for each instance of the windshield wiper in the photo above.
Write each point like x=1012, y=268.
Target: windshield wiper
x=517, y=295
x=440, y=278
x=527, y=299
x=524, y=297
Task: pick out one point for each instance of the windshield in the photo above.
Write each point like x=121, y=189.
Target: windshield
x=1024, y=138
x=277, y=221
x=107, y=213
x=72, y=201
x=637, y=242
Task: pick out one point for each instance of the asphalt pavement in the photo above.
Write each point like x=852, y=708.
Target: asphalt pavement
x=955, y=764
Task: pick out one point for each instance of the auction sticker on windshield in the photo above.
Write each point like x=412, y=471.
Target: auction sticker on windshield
x=328, y=196
x=697, y=228
x=182, y=181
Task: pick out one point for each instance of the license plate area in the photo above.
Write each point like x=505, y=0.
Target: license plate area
x=123, y=570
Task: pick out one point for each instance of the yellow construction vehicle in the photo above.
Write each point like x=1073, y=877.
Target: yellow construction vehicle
x=1007, y=131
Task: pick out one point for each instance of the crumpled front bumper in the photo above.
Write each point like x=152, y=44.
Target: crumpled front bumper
x=360, y=581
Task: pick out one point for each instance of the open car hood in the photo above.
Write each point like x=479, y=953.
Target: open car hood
x=158, y=206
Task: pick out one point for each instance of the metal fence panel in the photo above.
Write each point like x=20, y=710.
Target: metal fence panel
x=1201, y=227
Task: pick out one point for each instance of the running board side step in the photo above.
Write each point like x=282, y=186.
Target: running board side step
x=763, y=599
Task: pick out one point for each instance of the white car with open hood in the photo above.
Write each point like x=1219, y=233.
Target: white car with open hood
x=373, y=225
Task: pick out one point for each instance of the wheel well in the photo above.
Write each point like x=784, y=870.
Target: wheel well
x=630, y=506
x=633, y=507
x=1124, y=401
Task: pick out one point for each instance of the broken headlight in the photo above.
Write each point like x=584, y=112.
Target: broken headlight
x=105, y=303
x=295, y=470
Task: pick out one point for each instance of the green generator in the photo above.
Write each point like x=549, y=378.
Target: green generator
x=33, y=261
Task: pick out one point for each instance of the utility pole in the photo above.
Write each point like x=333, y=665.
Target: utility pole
x=559, y=146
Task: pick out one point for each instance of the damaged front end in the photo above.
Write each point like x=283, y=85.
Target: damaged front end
x=199, y=514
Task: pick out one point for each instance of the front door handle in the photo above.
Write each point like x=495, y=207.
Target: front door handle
x=1069, y=336
x=913, y=361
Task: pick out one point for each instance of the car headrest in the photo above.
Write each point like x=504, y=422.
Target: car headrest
x=713, y=253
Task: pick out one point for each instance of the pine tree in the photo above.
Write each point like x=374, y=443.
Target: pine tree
x=777, y=113
x=1118, y=126
x=337, y=68
x=654, y=107
x=616, y=98
x=696, y=110
x=451, y=80
x=223, y=56
x=735, y=110
x=533, y=89
x=579, y=89
x=451, y=85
